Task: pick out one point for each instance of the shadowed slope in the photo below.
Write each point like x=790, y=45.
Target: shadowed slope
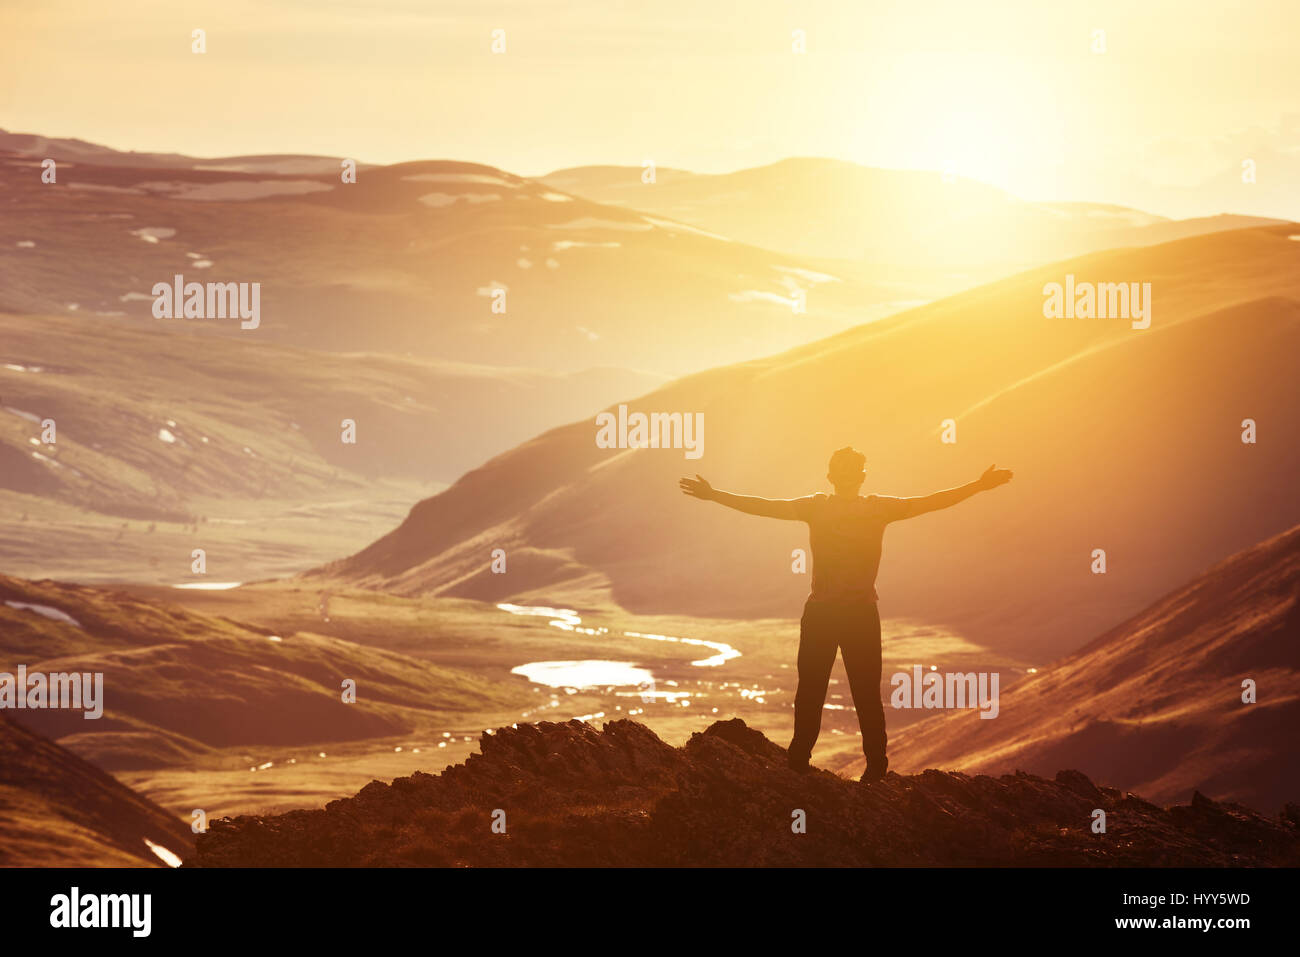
x=1155, y=703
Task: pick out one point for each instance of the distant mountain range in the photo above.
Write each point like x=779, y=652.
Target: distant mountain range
x=414, y=259
x=65, y=149
x=410, y=257
x=839, y=210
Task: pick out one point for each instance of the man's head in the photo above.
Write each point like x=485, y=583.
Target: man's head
x=847, y=471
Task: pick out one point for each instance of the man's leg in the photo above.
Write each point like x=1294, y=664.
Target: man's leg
x=860, y=645
x=818, y=642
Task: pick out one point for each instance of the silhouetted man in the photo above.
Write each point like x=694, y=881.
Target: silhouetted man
x=846, y=531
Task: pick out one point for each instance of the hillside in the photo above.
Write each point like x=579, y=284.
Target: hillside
x=147, y=423
x=58, y=811
x=575, y=796
x=188, y=689
x=412, y=259
x=1117, y=436
x=1154, y=704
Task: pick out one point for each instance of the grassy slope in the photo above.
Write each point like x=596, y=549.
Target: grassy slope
x=56, y=810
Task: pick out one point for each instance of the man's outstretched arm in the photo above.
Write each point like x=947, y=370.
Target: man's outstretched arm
x=920, y=504
x=786, y=508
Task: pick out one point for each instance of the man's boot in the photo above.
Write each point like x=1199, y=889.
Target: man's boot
x=875, y=771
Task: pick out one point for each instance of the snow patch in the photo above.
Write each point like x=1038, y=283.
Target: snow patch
x=152, y=234
x=164, y=855
x=46, y=611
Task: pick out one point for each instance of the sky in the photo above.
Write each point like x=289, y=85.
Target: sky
x=1011, y=92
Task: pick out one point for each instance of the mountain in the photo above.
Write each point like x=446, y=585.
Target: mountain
x=1121, y=439
x=60, y=811
x=835, y=209
x=413, y=259
x=1155, y=704
x=575, y=796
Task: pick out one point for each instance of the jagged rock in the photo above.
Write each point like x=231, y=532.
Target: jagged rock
x=1079, y=783
x=574, y=796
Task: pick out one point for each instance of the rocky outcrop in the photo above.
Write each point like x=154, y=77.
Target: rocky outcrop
x=572, y=795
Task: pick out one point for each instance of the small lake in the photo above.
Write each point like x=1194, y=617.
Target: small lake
x=589, y=673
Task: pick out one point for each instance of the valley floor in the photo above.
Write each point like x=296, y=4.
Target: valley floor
x=244, y=539
x=676, y=675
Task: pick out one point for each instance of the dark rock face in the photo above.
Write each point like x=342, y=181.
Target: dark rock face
x=575, y=796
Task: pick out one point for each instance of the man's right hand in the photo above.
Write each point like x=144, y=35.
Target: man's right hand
x=993, y=477
x=696, y=488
